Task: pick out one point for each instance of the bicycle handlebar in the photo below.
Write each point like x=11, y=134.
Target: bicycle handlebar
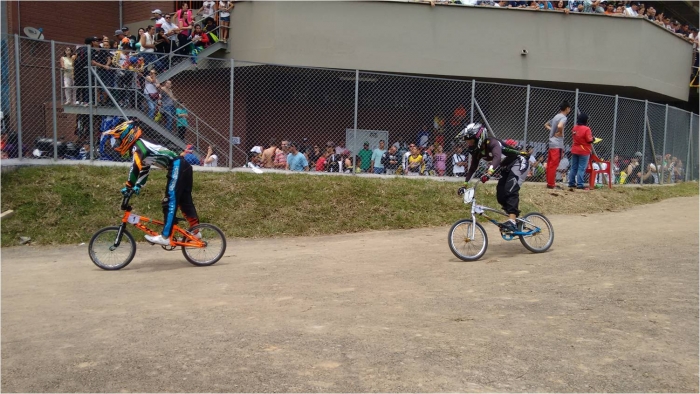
x=125, y=200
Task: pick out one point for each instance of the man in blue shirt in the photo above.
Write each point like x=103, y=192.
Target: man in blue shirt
x=296, y=161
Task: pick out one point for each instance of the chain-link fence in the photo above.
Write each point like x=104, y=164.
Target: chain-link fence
x=254, y=114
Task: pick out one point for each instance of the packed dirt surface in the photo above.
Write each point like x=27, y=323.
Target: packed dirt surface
x=613, y=306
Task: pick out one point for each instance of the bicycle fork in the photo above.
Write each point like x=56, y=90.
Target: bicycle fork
x=118, y=240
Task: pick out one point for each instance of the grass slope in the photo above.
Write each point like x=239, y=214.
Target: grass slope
x=62, y=204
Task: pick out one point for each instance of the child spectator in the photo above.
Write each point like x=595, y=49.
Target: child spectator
x=439, y=159
x=415, y=163
x=181, y=114
x=211, y=160
x=210, y=30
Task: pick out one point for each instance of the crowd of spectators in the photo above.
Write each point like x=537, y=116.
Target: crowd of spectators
x=430, y=154
x=633, y=9
x=125, y=62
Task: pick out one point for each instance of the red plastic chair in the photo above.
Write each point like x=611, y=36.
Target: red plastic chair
x=594, y=173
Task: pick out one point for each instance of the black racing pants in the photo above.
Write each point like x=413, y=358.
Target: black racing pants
x=178, y=193
x=508, y=188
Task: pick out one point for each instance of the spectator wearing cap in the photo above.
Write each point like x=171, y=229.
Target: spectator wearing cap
x=255, y=157
x=365, y=155
x=120, y=38
x=158, y=16
x=632, y=10
x=296, y=161
x=132, y=39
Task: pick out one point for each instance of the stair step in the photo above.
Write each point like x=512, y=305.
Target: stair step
x=186, y=63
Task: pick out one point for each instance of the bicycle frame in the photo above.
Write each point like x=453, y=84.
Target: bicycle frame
x=470, y=198
x=139, y=222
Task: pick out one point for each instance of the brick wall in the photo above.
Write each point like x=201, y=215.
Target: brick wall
x=137, y=11
x=65, y=21
x=72, y=21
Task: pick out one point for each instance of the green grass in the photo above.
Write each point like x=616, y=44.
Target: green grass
x=67, y=204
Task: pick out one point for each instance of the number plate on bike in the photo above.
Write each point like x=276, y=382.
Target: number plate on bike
x=133, y=219
x=468, y=195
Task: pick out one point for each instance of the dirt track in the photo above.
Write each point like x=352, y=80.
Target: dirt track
x=612, y=307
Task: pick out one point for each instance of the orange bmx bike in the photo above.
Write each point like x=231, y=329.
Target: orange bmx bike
x=113, y=248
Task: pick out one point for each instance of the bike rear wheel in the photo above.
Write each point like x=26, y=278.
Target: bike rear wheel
x=212, y=252
x=103, y=253
x=540, y=241
x=462, y=245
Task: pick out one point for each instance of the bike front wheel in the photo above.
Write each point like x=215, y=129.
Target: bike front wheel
x=461, y=243
x=105, y=255
x=540, y=241
x=214, y=249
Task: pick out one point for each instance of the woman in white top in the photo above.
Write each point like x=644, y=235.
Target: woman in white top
x=67, y=70
x=211, y=160
x=225, y=17
x=148, y=45
x=208, y=9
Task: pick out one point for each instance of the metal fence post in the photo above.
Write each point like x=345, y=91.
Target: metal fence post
x=688, y=168
x=659, y=171
x=471, y=119
x=53, y=97
x=90, y=109
x=644, y=136
x=576, y=106
x=20, y=149
x=354, y=137
x=527, y=114
x=614, y=132
x=230, y=128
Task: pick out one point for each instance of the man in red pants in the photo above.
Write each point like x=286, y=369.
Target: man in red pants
x=556, y=143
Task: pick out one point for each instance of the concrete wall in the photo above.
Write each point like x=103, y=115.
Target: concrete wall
x=478, y=42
